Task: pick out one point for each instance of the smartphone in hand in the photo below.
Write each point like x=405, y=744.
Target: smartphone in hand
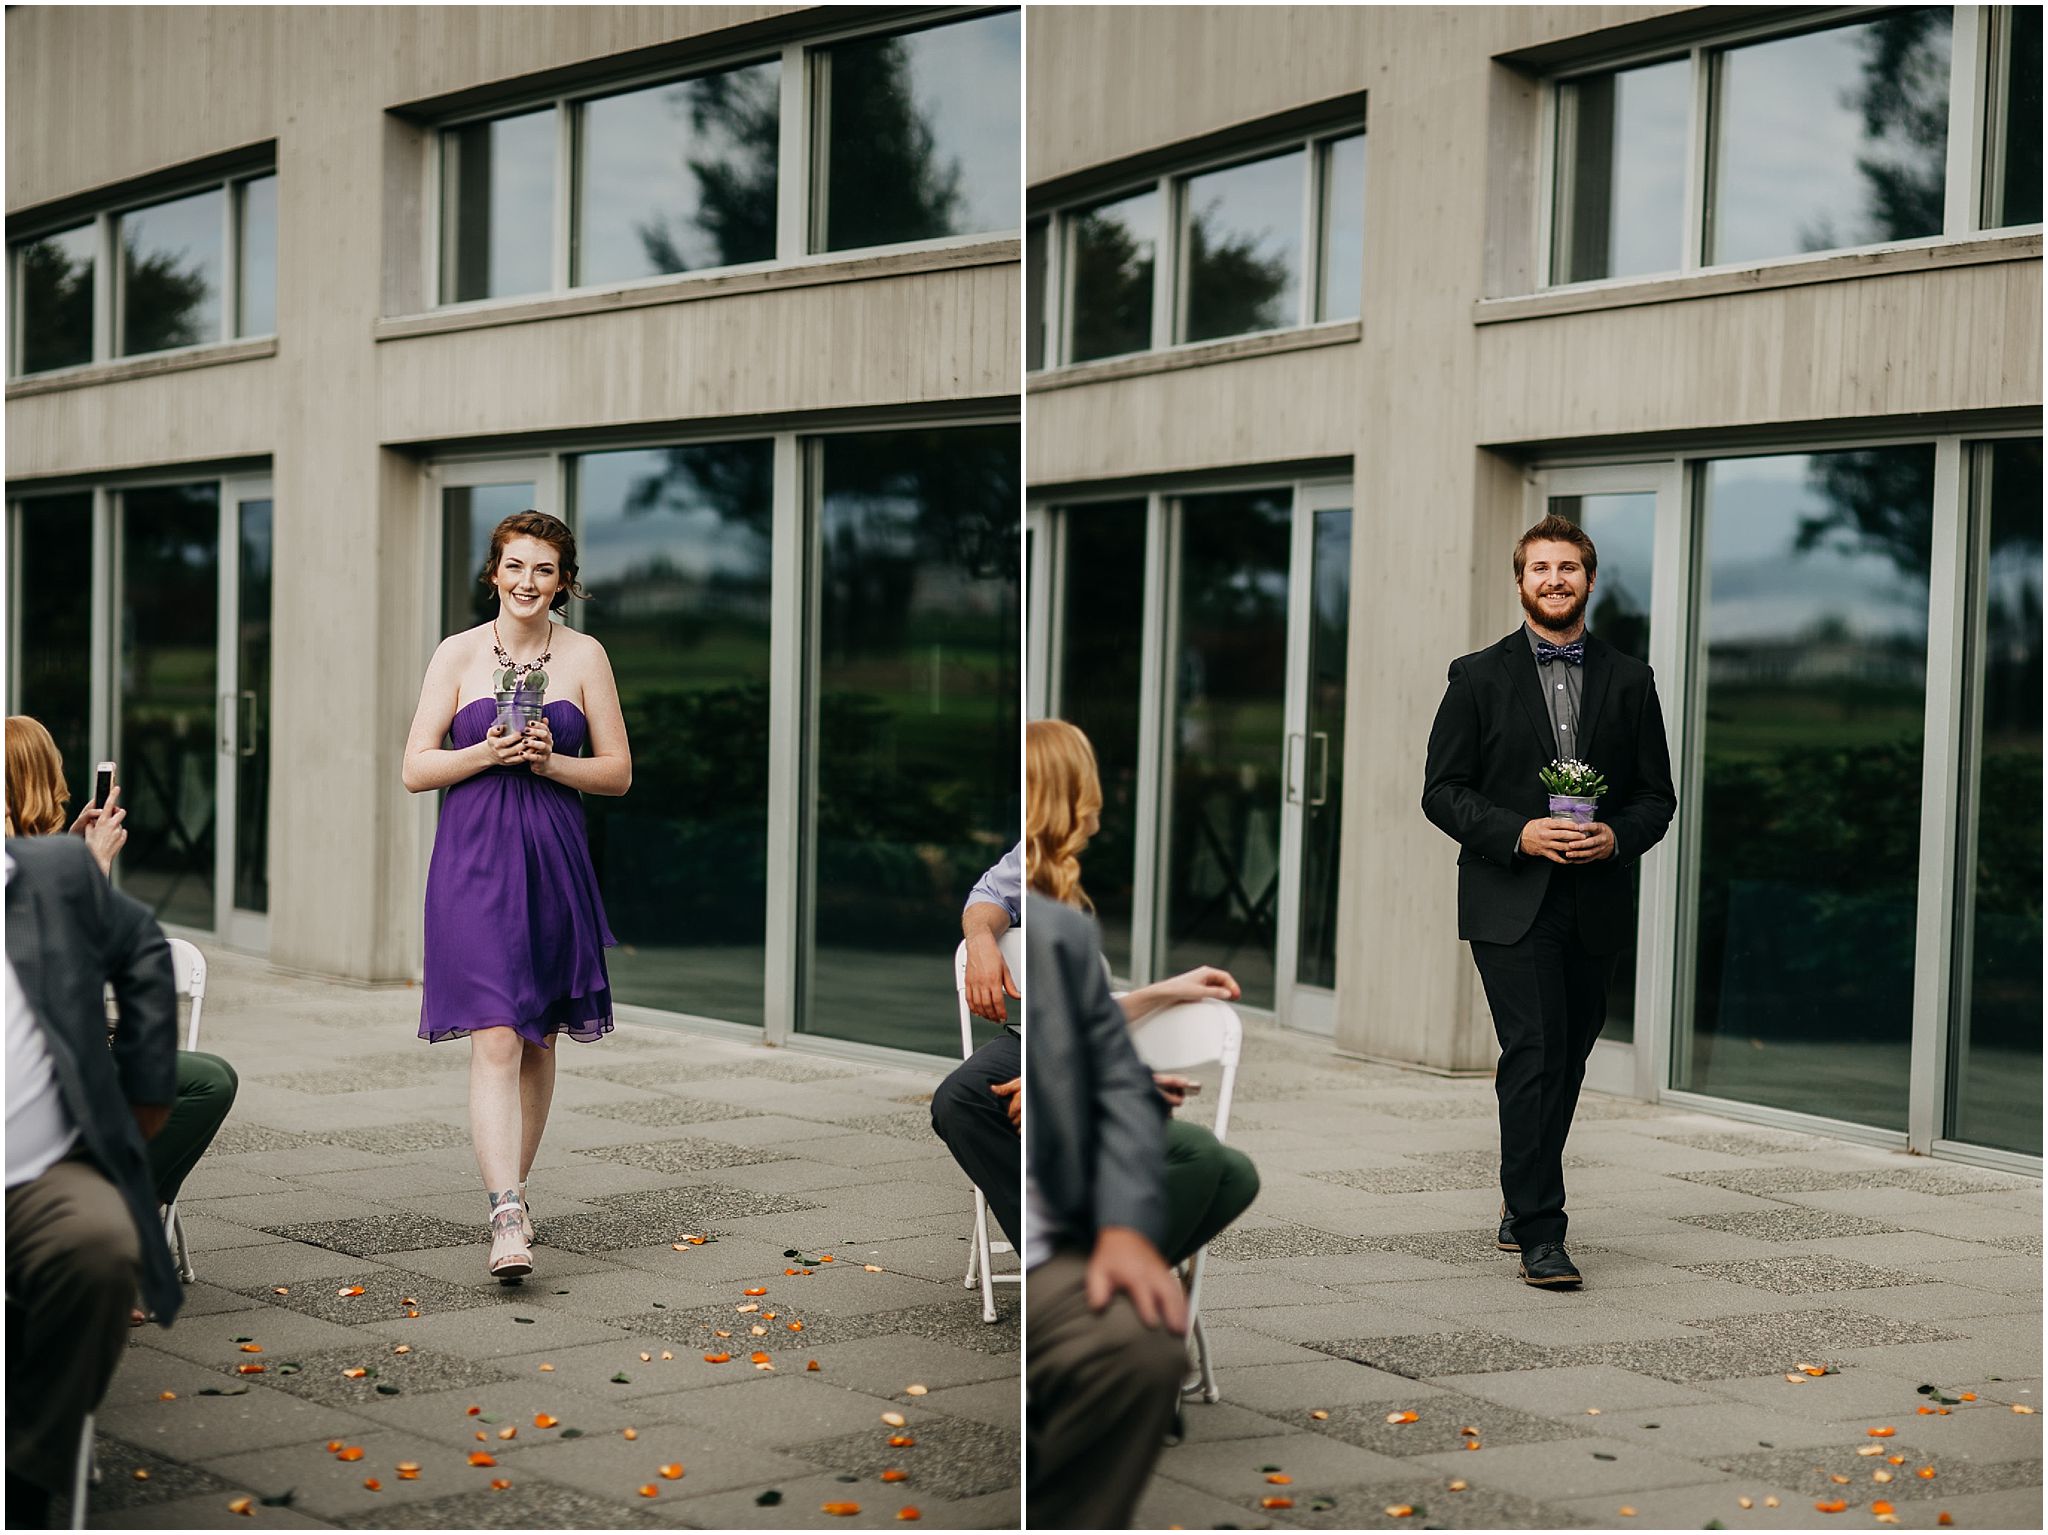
x=102, y=784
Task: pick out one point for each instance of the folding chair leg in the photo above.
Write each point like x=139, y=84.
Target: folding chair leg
x=974, y=1240
x=185, y=1269
x=988, y=1278
x=81, y=1476
x=1209, y=1391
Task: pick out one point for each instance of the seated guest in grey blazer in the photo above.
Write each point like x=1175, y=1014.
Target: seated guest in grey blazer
x=83, y=1235
x=1106, y=1316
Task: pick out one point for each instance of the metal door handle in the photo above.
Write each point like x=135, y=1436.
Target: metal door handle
x=1322, y=740
x=248, y=696
x=1293, y=788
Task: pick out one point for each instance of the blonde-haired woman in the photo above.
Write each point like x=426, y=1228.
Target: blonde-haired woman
x=1208, y=1184
x=37, y=796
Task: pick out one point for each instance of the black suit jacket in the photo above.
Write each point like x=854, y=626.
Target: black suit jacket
x=1492, y=736
x=1097, y=1125
x=70, y=934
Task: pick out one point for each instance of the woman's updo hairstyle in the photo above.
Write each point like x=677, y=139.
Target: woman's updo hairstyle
x=548, y=530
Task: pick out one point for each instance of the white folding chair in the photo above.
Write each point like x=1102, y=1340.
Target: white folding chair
x=189, y=965
x=981, y=1249
x=1174, y=1039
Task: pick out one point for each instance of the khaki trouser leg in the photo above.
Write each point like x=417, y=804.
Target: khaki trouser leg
x=74, y=1262
x=1102, y=1388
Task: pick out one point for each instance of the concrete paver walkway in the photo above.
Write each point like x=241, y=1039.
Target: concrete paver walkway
x=346, y=1164
x=1718, y=1257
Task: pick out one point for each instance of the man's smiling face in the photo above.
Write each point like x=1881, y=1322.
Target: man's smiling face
x=1555, y=586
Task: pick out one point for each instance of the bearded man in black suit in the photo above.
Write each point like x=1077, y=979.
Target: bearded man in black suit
x=1545, y=901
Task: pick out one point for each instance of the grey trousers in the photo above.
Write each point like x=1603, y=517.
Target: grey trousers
x=74, y=1262
x=1101, y=1389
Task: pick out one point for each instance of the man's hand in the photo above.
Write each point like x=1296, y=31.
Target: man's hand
x=1554, y=837
x=988, y=979
x=150, y=1118
x=1124, y=1260
x=1193, y=985
x=1595, y=843
x=1174, y=1089
x=1013, y=1090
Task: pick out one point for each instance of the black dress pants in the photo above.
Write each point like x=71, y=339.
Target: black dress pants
x=975, y=1125
x=1548, y=994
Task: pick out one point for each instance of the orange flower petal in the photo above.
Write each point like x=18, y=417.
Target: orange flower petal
x=1832, y=1506
x=547, y=1369
x=824, y=1257
x=349, y=1291
x=631, y=1433
x=167, y=1396
x=333, y=1445
x=901, y=1441
x=839, y=1510
x=474, y=1410
x=649, y=1490
x=1399, y=1511
x=1880, y=1507
x=1943, y=1519
x=666, y=1354
x=1279, y=1479
x=796, y=1327
x=1925, y=1473
x=759, y=1358
x=1626, y=1512
x=1283, y=1503
x=1895, y=1460
x=246, y=1507
x=252, y=1348
x=499, y=1484
x=482, y=1458
x=757, y=1290
x=895, y=1474
x=545, y=1420
x=1880, y=1433
x=373, y=1484
x=1968, y=1396
x=481, y=1436
x=894, y=1419
x=256, y=1369
x=408, y=1465
x=353, y=1452
x=140, y=1473
x=403, y=1348
x=718, y=1358
x=1319, y=1415
x=812, y=1365
x=908, y=1515
x=671, y=1473
x=283, y=1289
x=356, y=1374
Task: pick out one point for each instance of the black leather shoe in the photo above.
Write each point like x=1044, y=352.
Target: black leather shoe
x=1505, y=1241
x=1547, y=1263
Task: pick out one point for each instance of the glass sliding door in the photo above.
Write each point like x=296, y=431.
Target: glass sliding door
x=1994, y=1087
x=51, y=632
x=676, y=549
x=167, y=577
x=913, y=776
x=1220, y=811
x=1806, y=742
x=244, y=854
x=1313, y=813
x=1101, y=650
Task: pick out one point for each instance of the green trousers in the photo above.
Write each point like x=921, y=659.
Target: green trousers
x=1208, y=1185
x=206, y=1091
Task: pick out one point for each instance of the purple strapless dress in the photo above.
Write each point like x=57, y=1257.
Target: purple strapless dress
x=515, y=934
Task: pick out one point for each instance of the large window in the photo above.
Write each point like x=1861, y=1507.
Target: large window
x=50, y=638
x=908, y=134
x=914, y=778
x=1786, y=141
x=1995, y=1060
x=187, y=271
x=1266, y=239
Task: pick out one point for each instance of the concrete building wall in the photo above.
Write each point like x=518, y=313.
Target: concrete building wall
x=1456, y=382
x=359, y=389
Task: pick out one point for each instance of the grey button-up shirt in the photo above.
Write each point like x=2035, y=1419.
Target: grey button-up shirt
x=1561, y=684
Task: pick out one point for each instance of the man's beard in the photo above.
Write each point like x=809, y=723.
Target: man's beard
x=1534, y=608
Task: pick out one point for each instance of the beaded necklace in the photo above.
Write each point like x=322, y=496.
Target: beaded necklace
x=518, y=674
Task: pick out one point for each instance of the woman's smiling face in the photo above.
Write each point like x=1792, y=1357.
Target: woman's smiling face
x=528, y=576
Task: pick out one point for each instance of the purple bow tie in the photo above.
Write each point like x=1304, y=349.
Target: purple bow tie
x=1574, y=653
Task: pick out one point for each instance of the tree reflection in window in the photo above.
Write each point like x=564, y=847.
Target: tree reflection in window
x=56, y=300
x=1113, y=249
x=679, y=177
x=922, y=133
x=1243, y=236
x=170, y=274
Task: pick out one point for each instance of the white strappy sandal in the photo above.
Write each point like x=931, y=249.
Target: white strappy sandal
x=511, y=1257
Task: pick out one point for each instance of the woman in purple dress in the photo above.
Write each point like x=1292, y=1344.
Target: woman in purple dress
x=515, y=929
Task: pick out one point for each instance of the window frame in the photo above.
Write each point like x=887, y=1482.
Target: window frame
x=1169, y=276
x=108, y=283
x=1975, y=78
x=801, y=157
